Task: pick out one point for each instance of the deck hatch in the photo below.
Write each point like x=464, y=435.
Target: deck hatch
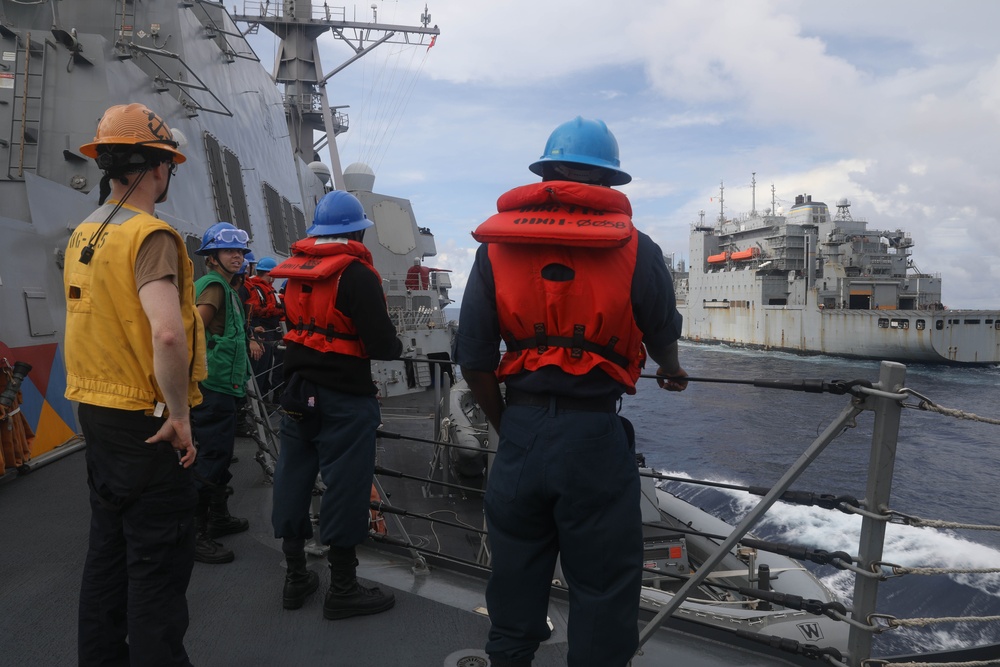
x=39, y=317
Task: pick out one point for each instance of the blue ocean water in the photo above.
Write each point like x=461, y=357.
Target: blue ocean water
x=946, y=469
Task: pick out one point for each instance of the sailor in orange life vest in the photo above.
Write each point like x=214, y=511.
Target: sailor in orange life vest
x=337, y=322
x=135, y=351
x=549, y=279
x=266, y=314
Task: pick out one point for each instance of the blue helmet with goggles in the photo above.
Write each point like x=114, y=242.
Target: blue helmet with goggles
x=223, y=235
x=338, y=212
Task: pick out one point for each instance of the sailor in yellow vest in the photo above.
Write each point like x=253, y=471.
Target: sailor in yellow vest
x=134, y=355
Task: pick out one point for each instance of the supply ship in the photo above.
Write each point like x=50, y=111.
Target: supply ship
x=253, y=159
x=815, y=282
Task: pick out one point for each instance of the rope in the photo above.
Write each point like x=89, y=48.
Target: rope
x=944, y=570
x=954, y=412
x=921, y=622
x=938, y=523
x=972, y=663
x=930, y=406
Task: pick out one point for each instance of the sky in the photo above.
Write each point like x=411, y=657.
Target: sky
x=893, y=104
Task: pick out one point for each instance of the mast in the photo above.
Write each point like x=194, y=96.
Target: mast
x=753, y=194
x=722, y=202
x=299, y=69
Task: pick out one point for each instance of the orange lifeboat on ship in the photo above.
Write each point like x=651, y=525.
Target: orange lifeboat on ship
x=743, y=255
x=718, y=259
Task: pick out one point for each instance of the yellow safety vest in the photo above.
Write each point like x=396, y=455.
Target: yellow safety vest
x=109, y=341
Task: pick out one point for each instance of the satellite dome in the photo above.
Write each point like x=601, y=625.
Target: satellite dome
x=321, y=171
x=359, y=177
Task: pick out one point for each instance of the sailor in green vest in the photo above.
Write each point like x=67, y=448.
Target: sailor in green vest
x=214, y=421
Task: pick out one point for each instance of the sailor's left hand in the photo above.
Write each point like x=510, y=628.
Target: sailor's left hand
x=673, y=381
x=256, y=350
x=177, y=431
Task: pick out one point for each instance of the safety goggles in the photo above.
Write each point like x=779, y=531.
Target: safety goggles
x=232, y=236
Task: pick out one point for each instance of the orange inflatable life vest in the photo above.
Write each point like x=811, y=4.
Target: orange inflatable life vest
x=313, y=274
x=263, y=299
x=563, y=257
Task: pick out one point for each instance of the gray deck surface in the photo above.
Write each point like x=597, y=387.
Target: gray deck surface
x=236, y=614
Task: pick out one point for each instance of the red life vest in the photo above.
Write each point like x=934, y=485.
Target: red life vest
x=263, y=299
x=313, y=273
x=549, y=317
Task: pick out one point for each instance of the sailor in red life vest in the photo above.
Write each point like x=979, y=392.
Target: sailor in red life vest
x=266, y=313
x=417, y=276
x=550, y=279
x=337, y=322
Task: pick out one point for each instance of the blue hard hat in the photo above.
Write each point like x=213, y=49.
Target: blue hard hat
x=266, y=264
x=243, y=267
x=583, y=142
x=223, y=235
x=338, y=212
x=250, y=257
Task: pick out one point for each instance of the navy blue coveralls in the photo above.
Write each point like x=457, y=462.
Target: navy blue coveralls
x=141, y=549
x=338, y=441
x=564, y=482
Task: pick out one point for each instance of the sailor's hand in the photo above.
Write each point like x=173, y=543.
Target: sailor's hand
x=672, y=381
x=177, y=431
x=256, y=350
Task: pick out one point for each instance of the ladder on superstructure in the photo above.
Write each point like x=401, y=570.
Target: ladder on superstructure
x=28, y=80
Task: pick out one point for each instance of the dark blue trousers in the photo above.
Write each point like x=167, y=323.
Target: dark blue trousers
x=338, y=442
x=141, y=553
x=564, y=483
x=213, y=424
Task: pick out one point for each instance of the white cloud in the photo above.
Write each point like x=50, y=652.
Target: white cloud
x=894, y=105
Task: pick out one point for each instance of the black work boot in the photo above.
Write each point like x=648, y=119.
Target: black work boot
x=207, y=550
x=346, y=596
x=220, y=521
x=300, y=582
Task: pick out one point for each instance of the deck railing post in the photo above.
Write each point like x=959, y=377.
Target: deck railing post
x=885, y=432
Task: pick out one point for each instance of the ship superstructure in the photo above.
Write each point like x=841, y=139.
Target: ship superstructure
x=814, y=282
x=253, y=150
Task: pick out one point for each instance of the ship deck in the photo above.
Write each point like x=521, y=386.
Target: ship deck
x=235, y=609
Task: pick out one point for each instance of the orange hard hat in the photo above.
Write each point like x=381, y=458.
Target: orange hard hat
x=136, y=125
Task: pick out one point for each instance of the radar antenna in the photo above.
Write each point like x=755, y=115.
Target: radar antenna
x=843, y=209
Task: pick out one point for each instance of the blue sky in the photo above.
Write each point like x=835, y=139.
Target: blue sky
x=894, y=104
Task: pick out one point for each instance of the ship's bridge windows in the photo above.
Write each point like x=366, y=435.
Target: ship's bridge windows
x=921, y=325
x=237, y=193
x=990, y=321
x=285, y=220
x=939, y=324
x=226, y=176
x=971, y=321
x=276, y=219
